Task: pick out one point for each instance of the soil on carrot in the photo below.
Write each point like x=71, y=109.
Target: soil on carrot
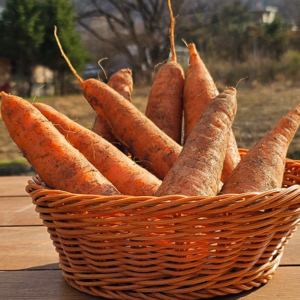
x=259, y=109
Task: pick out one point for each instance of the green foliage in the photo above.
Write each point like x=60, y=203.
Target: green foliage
x=21, y=30
x=235, y=32
x=258, y=70
x=228, y=31
x=223, y=35
x=60, y=13
x=27, y=28
x=235, y=43
x=289, y=65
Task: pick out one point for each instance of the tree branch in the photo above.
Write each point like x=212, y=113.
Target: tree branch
x=120, y=47
x=107, y=14
x=130, y=25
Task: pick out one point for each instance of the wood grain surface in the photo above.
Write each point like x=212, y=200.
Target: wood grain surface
x=13, y=185
x=18, y=211
x=38, y=285
x=26, y=247
x=291, y=254
x=50, y=285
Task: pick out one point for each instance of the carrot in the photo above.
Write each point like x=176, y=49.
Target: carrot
x=144, y=139
x=262, y=168
x=198, y=169
x=199, y=90
x=121, y=171
x=121, y=82
x=164, y=106
x=101, y=128
x=56, y=161
x=232, y=157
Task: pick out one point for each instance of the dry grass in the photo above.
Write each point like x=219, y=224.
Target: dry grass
x=258, y=111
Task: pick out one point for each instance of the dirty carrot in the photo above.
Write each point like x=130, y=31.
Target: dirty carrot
x=262, y=168
x=128, y=177
x=155, y=150
x=164, y=106
x=199, y=90
x=122, y=83
x=197, y=171
x=60, y=165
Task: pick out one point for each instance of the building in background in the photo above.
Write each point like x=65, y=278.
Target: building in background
x=264, y=13
x=43, y=79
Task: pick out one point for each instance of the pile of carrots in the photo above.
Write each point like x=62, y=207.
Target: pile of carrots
x=130, y=153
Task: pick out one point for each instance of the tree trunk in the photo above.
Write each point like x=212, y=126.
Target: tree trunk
x=141, y=77
x=28, y=74
x=62, y=83
x=56, y=83
x=29, y=89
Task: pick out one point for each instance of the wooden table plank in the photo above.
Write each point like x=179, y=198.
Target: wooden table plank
x=13, y=185
x=291, y=255
x=16, y=211
x=38, y=285
x=50, y=285
x=285, y=285
x=26, y=247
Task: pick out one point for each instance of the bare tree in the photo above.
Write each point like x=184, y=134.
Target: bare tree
x=137, y=29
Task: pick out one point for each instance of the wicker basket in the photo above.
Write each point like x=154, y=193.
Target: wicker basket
x=173, y=247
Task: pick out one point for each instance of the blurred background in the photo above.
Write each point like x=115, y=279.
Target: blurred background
x=259, y=40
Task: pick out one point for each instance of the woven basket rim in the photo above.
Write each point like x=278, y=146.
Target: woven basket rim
x=34, y=183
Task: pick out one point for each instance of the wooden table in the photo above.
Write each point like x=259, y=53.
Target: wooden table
x=29, y=264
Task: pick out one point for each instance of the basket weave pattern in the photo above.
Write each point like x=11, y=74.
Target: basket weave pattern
x=173, y=247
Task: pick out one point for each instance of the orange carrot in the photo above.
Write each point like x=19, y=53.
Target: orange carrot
x=56, y=161
x=164, y=106
x=101, y=128
x=144, y=139
x=262, y=168
x=198, y=169
x=199, y=90
x=121, y=171
x=232, y=157
x=122, y=83
x=156, y=151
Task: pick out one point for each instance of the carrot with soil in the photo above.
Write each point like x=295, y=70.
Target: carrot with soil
x=60, y=165
x=199, y=90
x=197, y=171
x=122, y=83
x=156, y=151
x=121, y=171
x=164, y=106
x=262, y=168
